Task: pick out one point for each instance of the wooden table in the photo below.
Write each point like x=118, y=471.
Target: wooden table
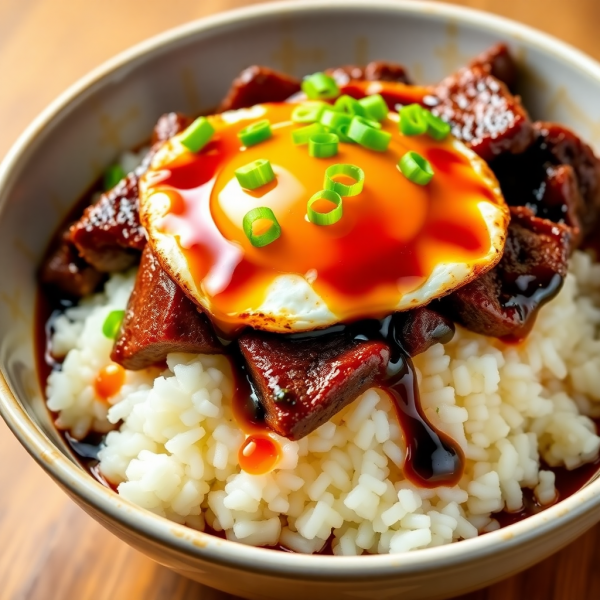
x=50, y=549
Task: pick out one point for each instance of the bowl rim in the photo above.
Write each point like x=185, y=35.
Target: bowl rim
x=197, y=545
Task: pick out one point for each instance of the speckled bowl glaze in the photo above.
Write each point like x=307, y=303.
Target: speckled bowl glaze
x=189, y=69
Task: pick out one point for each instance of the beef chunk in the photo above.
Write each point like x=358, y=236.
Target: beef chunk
x=504, y=302
x=483, y=113
x=375, y=71
x=64, y=269
x=422, y=328
x=566, y=148
x=160, y=319
x=303, y=383
x=109, y=235
x=558, y=177
x=256, y=85
x=167, y=126
x=498, y=61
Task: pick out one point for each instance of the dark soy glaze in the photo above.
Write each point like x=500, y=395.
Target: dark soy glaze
x=433, y=459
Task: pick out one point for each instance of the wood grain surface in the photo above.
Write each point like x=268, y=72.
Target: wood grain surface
x=50, y=549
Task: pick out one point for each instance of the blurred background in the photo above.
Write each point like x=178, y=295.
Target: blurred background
x=49, y=548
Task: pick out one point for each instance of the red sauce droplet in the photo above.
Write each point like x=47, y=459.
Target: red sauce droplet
x=109, y=381
x=259, y=455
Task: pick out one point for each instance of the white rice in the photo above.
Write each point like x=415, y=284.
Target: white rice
x=175, y=450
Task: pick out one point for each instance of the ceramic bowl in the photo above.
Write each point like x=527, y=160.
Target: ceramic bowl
x=189, y=69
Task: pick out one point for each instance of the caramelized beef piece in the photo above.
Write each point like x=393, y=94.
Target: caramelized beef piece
x=504, y=302
x=377, y=70
x=302, y=383
x=160, y=319
x=566, y=148
x=64, y=269
x=109, y=235
x=167, y=126
x=498, y=61
x=483, y=113
x=256, y=85
x=558, y=177
x=422, y=328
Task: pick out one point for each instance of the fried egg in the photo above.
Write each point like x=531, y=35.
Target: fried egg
x=397, y=246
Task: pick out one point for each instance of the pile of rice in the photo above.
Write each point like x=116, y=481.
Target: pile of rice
x=175, y=451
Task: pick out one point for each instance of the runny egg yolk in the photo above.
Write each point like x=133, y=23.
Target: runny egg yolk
x=390, y=239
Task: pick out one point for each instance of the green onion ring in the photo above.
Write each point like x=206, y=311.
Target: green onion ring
x=342, y=189
x=112, y=176
x=375, y=107
x=112, y=324
x=320, y=86
x=255, y=174
x=413, y=120
x=262, y=212
x=328, y=218
x=302, y=135
x=364, y=133
x=255, y=133
x=437, y=128
x=323, y=145
x=197, y=135
x=347, y=104
x=308, y=112
x=416, y=168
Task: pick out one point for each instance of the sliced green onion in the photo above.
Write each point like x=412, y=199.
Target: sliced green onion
x=308, y=112
x=112, y=176
x=197, y=135
x=416, y=168
x=437, y=128
x=320, y=86
x=342, y=189
x=112, y=324
x=347, y=104
x=302, y=135
x=328, y=218
x=413, y=120
x=257, y=214
x=338, y=122
x=364, y=133
x=255, y=133
x=255, y=174
x=323, y=145
x=374, y=107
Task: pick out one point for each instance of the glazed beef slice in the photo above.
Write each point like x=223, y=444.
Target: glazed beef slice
x=160, y=319
x=557, y=177
x=504, y=302
x=257, y=85
x=482, y=111
x=301, y=384
x=64, y=269
x=109, y=235
x=421, y=328
x=374, y=71
x=498, y=61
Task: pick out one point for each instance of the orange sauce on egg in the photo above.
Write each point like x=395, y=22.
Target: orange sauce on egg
x=390, y=238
